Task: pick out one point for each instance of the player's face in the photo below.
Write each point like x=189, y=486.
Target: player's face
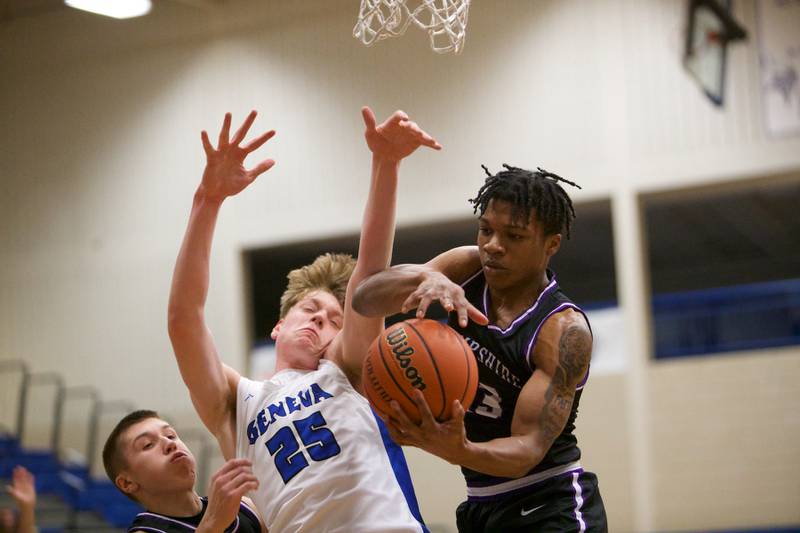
x=304, y=334
x=157, y=461
x=514, y=253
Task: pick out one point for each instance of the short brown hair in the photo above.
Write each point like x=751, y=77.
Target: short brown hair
x=328, y=272
x=113, y=458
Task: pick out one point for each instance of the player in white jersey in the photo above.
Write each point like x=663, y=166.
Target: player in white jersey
x=320, y=454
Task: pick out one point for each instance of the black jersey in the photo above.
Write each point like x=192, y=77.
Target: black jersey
x=246, y=521
x=504, y=365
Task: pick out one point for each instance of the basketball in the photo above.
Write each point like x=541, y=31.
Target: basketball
x=419, y=354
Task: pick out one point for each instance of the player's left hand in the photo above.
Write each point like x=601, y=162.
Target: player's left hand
x=447, y=439
x=397, y=137
x=22, y=489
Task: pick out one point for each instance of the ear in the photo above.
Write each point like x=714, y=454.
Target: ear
x=552, y=244
x=276, y=330
x=126, y=484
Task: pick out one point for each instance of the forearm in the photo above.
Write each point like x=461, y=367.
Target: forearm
x=190, y=279
x=383, y=293
x=511, y=457
x=378, y=224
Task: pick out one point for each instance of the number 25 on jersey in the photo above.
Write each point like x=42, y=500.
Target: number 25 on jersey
x=317, y=440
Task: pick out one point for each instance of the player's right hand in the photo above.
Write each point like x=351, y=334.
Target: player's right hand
x=225, y=492
x=397, y=137
x=436, y=287
x=225, y=174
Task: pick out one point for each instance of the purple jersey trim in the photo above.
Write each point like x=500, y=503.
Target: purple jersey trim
x=162, y=517
x=522, y=489
x=578, y=502
x=475, y=275
x=517, y=321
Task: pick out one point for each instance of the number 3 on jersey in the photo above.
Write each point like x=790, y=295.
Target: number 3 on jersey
x=487, y=402
x=318, y=442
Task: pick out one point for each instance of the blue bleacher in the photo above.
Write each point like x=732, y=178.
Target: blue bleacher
x=726, y=319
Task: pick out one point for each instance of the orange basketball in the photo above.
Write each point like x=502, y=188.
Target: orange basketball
x=419, y=354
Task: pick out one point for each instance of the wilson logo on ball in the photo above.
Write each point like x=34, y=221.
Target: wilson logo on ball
x=398, y=340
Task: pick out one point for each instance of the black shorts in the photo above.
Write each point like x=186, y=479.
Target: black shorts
x=566, y=503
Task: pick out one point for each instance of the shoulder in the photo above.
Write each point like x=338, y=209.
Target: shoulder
x=565, y=337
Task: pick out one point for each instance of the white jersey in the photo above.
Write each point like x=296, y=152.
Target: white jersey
x=323, y=460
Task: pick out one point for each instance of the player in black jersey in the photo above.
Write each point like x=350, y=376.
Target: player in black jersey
x=146, y=460
x=515, y=443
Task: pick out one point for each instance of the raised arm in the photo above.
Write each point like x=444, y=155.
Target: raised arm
x=212, y=385
x=562, y=355
x=405, y=287
x=390, y=142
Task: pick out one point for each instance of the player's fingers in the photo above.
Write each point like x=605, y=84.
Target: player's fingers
x=234, y=478
x=411, y=302
x=447, y=303
x=244, y=128
x=369, y=118
x=476, y=315
x=261, y=168
x=400, y=418
x=232, y=465
x=398, y=117
x=424, y=409
x=240, y=479
x=248, y=487
x=256, y=143
x=396, y=434
x=422, y=308
x=458, y=413
x=461, y=311
x=430, y=142
x=207, y=148
x=224, y=132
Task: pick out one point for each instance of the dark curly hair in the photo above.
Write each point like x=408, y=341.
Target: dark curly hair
x=529, y=191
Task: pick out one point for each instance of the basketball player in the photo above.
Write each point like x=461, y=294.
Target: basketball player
x=515, y=443
x=147, y=461
x=322, y=461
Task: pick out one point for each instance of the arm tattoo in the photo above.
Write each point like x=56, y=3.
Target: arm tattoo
x=574, y=351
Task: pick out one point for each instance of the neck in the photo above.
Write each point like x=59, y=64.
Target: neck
x=179, y=504
x=509, y=302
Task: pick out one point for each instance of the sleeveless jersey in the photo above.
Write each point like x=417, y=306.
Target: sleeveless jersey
x=505, y=364
x=324, y=461
x=246, y=521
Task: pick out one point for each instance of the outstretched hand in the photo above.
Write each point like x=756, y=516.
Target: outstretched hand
x=22, y=489
x=397, y=137
x=225, y=174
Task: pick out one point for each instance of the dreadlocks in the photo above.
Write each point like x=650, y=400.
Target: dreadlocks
x=528, y=191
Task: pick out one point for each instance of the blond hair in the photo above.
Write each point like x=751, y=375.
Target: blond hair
x=328, y=272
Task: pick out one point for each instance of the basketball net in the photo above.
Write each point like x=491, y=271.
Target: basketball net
x=444, y=20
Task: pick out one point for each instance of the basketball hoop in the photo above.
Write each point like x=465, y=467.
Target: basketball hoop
x=444, y=20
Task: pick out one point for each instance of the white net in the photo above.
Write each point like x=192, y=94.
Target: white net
x=444, y=20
